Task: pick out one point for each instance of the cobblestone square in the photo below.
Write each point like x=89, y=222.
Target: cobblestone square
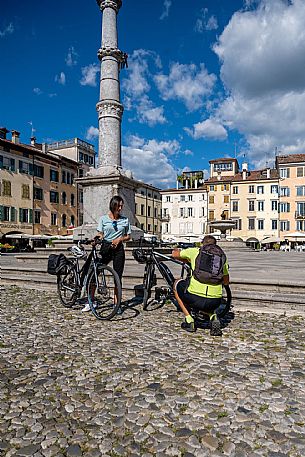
x=71, y=385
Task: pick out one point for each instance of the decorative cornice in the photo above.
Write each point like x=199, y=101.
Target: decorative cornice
x=114, y=4
x=114, y=52
x=110, y=109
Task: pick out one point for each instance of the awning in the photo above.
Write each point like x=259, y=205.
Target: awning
x=252, y=239
x=297, y=235
x=270, y=239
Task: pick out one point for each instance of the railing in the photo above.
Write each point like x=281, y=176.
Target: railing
x=165, y=218
x=299, y=215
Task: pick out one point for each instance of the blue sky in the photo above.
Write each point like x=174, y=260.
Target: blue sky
x=206, y=78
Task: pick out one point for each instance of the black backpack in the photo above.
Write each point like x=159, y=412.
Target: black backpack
x=57, y=264
x=209, y=264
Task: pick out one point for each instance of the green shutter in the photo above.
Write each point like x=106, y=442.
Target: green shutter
x=12, y=164
x=30, y=216
x=31, y=170
x=1, y=213
x=13, y=214
x=20, y=215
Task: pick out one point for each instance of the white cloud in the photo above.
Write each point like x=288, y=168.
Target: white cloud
x=210, y=128
x=61, y=78
x=37, y=91
x=149, y=162
x=188, y=152
x=89, y=75
x=166, y=5
x=8, y=30
x=136, y=88
x=263, y=61
x=205, y=23
x=186, y=83
x=52, y=95
x=71, y=58
x=92, y=133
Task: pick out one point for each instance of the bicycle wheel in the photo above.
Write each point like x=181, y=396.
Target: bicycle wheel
x=67, y=287
x=226, y=302
x=102, y=285
x=147, y=283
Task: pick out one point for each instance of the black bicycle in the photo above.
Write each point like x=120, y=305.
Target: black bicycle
x=99, y=282
x=156, y=260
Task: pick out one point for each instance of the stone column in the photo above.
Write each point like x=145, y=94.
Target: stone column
x=109, y=108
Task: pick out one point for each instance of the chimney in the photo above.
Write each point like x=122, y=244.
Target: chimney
x=244, y=170
x=15, y=137
x=33, y=140
x=3, y=132
x=268, y=173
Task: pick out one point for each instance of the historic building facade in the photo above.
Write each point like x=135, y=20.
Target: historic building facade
x=148, y=209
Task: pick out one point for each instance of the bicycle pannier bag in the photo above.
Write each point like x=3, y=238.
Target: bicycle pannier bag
x=209, y=264
x=57, y=264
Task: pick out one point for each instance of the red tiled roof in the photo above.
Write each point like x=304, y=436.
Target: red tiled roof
x=256, y=175
x=291, y=158
x=222, y=179
x=225, y=159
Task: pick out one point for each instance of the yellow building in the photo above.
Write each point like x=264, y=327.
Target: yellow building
x=291, y=170
x=37, y=190
x=148, y=209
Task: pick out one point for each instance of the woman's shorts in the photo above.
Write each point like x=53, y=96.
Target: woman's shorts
x=205, y=304
x=118, y=257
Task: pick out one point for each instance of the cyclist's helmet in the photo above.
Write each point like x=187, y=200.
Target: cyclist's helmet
x=139, y=255
x=78, y=251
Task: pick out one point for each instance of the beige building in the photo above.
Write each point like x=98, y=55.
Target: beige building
x=148, y=209
x=291, y=170
x=37, y=190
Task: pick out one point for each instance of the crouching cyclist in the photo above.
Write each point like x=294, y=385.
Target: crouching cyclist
x=204, y=289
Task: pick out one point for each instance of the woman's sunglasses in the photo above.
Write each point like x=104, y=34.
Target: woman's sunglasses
x=115, y=225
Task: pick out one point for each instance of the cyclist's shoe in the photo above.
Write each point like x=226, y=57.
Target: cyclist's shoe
x=188, y=326
x=215, y=329
x=86, y=308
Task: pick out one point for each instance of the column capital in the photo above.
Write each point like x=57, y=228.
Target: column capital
x=114, y=52
x=110, y=109
x=115, y=4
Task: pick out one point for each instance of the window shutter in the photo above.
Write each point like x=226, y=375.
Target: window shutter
x=20, y=215
x=1, y=161
x=30, y=216
x=13, y=214
x=31, y=169
x=1, y=213
x=12, y=164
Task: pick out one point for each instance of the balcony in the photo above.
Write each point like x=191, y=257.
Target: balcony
x=165, y=218
x=299, y=215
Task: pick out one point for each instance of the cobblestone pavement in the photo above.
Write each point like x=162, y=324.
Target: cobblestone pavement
x=71, y=385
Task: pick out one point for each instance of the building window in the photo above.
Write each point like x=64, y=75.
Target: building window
x=202, y=212
x=54, y=196
x=237, y=224
x=25, y=167
x=300, y=191
x=149, y=211
x=72, y=200
x=274, y=189
x=300, y=209
x=211, y=215
x=142, y=210
x=7, y=164
x=6, y=188
x=284, y=207
x=284, y=226
x=260, y=205
x=260, y=189
x=212, y=188
x=182, y=212
x=284, y=192
x=6, y=212
x=24, y=215
x=251, y=205
x=156, y=212
x=211, y=198
x=300, y=172
x=37, y=216
x=190, y=212
x=64, y=220
x=226, y=199
x=260, y=224
x=38, y=171
x=53, y=218
x=274, y=205
x=25, y=191
x=166, y=228
x=300, y=226
x=80, y=172
x=54, y=175
x=149, y=227
x=284, y=172
x=38, y=193
x=142, y=226
x=251, y=224
x=190, y=197
x=235, y=206
x=63, y=177
x=64, y=198
x=235, y=190
x=226, y=166
x=72, y=220
x=274, y=224
x=251, y=189
x=81, y=157
x=81, y=196
x=225, y=187
x=68, y=178
x=182, y=198
x=168, y=198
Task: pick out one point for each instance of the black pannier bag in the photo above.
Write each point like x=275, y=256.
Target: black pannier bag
x=57, y=264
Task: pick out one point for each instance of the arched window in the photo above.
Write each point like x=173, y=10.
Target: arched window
x=64, y=220
x=72, y=200
x=64, y=198
x=72, y=220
